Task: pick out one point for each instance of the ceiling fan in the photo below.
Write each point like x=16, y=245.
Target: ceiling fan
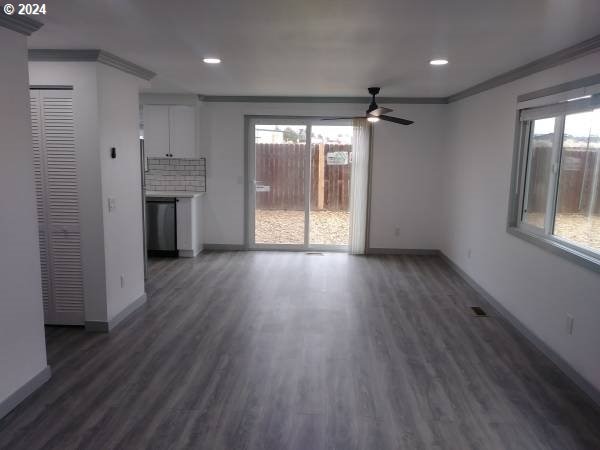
x=375, y=113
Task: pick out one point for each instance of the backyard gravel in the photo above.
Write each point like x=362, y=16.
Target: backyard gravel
x=287, y=227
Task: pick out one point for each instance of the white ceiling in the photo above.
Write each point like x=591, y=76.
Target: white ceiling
x=320, y=47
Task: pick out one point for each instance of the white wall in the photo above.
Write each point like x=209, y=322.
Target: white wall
x=536, y=286
x=22, y=344
x=404, y=168
x=82, y=76
x=118, y=102
x=406, y=184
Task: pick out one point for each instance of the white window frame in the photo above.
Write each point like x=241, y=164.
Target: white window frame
x=557, y=106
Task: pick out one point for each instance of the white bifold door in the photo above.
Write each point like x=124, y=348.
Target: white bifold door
x=56, y=185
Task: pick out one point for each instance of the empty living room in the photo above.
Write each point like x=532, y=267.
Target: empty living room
x=300, y=225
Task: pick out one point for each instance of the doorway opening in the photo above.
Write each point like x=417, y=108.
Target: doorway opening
x=299, y=190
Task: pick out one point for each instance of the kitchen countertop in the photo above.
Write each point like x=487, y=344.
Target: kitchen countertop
x=178, y=194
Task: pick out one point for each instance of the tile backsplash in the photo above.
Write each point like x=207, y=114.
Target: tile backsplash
x=176, y=174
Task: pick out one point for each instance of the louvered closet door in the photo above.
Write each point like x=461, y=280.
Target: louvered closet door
x=58, y=205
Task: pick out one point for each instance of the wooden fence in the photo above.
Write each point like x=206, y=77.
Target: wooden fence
x=280, y=171
x=576, y=181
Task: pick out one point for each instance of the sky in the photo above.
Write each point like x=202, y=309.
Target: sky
x=324, y=130
x=342, y=133
x=581, y=124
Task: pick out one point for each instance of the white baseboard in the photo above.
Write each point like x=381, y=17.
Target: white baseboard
x=105, y=327
x=137, y=303
x=402, y=251
x=189, y=253
x=11, y=402
x=224, y=247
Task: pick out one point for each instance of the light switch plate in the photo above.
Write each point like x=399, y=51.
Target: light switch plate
x=112, y=204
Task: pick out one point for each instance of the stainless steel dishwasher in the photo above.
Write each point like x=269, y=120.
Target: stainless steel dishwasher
x=161, y=226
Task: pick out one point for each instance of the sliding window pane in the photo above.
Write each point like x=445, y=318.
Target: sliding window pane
x=578, y=207
x=539, y=166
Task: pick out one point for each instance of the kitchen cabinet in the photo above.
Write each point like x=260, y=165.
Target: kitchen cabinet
x=189, y=226
x=156, y=131
x=169, y=131
x=182, y=120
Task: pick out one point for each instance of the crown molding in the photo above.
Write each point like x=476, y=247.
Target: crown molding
x=51, y=87
x=554, y=59
x=308, y=99
x=119, y=63
x=20, y=24
x=43, y=54
x=88, y=55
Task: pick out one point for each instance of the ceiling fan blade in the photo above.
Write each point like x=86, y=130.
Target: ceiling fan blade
x=342, y=118
x=396, y=120
x=379, y=111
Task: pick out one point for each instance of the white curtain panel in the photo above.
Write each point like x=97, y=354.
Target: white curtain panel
x=359, y=185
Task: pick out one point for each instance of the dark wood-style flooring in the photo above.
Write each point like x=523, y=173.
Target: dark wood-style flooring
x=259, y=350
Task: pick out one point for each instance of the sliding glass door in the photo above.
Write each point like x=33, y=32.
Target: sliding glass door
x=299, y=183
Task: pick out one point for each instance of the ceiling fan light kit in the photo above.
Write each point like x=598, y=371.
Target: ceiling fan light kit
x=438, y=62
x=375, y=113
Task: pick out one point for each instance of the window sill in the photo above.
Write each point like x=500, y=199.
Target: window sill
x=558, y=248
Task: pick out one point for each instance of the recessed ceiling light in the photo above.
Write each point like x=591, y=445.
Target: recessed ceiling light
x=212, y=60
x=438, y=62
x=373, y=119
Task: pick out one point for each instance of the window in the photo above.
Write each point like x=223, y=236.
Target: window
x=558, y=179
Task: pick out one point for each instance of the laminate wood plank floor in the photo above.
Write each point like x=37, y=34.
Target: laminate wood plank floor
x=261, y=350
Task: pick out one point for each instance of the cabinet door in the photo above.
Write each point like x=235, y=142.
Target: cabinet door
x=56, y=182
x=156, y=131
x=184, y=224
x=183, y=131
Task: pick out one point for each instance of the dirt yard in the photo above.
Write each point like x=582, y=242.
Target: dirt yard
x=574, y=227
x=287, y=227
x=579, y=228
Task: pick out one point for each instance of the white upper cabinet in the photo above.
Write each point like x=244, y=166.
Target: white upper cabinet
x=169, y=131
x=183, y=131
x=156, y=131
